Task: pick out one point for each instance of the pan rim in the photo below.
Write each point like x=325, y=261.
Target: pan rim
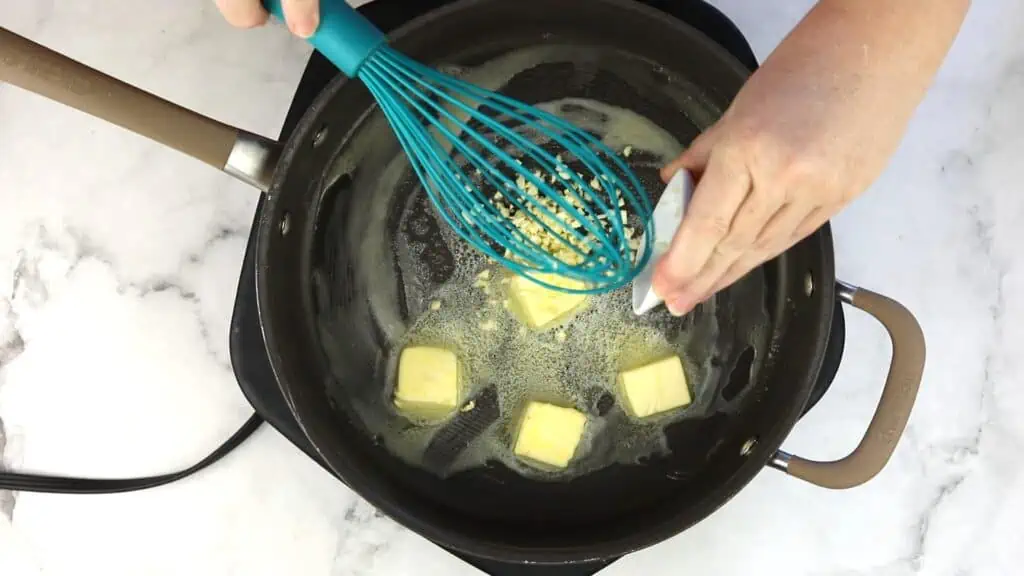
x=362, y=483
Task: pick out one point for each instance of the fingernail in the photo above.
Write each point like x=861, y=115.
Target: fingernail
x=657, y=292
x=661, y=285
x=306, y=26
x=677, y=306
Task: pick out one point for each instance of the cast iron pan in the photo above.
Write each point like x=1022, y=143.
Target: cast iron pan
x=657, y=67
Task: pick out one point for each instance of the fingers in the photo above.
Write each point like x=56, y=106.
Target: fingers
x=694, y=158
x=756, y=214
x=243, y=13
x=693, y=293
x=302, y=16
x=775, y=238
x=816, y=219
x=720, y=192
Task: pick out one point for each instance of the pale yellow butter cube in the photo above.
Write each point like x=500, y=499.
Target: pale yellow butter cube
x=428, y=382
x=539, y=307
x=549, y=434
x=654, y=388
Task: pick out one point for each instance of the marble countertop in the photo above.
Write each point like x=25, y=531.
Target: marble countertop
x=119, y=261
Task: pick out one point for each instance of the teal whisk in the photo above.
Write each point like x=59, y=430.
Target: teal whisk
x=539, y=195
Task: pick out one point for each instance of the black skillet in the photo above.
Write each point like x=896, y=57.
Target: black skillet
x=322, y=337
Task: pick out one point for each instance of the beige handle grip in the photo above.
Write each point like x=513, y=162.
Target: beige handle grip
x=57, y=77
x=893, y=411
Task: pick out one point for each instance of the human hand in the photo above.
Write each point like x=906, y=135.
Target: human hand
x=810, y=131
x=302, y=16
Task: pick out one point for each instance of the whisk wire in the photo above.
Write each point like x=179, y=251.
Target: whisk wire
x=513, y=137
x=541, y=217
x=587, y=220
x=565, y=139
x=507, y=106
x=416, y=73
x=415, y=142
x=487, y=167
x=449, y=174
x=612, y=185
x=423, y=162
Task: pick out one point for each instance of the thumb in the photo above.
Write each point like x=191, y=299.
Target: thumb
x=695, y=157
x=242, y=14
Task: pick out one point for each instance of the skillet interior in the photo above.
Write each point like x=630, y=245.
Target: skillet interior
x=305, y=276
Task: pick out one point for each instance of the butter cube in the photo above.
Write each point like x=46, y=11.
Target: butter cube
x=549, y=434
x=539, y=307
x=428, y=382
x=654, y=388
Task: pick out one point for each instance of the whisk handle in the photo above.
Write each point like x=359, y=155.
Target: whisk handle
x=344, y=36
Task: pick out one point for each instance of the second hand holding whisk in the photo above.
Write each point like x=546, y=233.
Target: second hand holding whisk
x=539, y=195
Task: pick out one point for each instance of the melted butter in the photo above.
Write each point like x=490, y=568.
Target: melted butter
x=579, y=371
x=574, y=366
x=618, y=127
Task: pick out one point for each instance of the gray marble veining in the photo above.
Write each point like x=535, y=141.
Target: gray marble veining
x=119, y=261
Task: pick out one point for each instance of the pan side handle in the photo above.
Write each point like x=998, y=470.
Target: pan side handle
x=38, y=69
x=894, y=407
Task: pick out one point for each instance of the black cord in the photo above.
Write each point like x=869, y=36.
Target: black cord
x=64, y=485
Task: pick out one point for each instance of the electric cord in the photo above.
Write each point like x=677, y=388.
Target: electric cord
x=21, y=482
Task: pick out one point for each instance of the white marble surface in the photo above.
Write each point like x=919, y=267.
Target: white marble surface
x=118, y=266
